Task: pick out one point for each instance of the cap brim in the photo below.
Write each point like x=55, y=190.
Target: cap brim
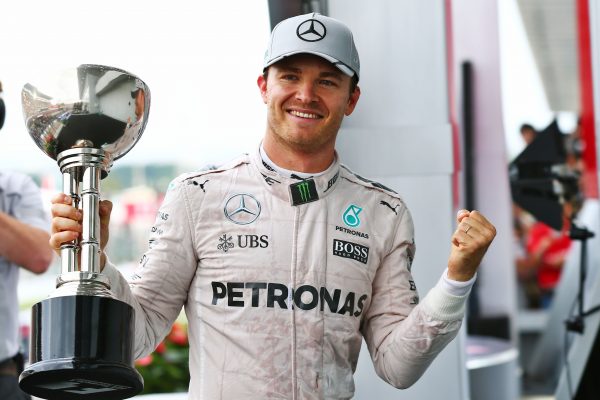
x=340, y=65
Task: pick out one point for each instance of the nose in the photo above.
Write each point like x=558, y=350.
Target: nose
x=306, y=92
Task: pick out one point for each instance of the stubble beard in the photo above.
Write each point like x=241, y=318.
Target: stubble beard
x=303, y=142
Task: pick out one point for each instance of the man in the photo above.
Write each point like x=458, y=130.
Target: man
x=23, y=243
x=285, y=259
x=528, y=133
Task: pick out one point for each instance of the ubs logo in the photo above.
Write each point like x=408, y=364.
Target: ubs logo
x=243, y=242
x=242, y=209
x=225, y=243
x=253, y=241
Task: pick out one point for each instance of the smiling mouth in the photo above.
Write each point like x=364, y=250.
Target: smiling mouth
x=305, y=115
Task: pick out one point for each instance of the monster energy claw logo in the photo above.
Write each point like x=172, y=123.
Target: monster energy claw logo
x=304, y=192
x=351, y=216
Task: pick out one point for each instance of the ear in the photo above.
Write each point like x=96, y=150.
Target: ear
x=262, y=86
x=352, y=101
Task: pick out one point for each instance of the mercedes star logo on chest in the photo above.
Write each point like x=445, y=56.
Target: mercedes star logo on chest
x=242, y=209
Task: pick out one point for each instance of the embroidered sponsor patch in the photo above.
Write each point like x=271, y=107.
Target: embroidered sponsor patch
x=355, y=251
x=304, y=192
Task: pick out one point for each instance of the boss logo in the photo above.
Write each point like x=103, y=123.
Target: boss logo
x=351, y=250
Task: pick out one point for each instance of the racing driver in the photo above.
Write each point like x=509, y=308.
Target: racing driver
x=285, y=259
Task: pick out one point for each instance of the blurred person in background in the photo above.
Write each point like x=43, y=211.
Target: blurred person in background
x=528, y=133
x=285, y=259
x=547, y=250
x=522, y=222
x=574, y=148
x=526, y=264
x=542, y=250
x=23, y=244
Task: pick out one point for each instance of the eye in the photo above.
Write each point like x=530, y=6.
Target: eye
x=327, y=82
x=289, y=77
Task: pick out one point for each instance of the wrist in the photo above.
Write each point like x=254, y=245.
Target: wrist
x=460, y=276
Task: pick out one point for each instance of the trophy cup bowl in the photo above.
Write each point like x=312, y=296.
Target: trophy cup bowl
x=81, y=335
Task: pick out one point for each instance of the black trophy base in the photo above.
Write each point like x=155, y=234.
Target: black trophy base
x=81, y=348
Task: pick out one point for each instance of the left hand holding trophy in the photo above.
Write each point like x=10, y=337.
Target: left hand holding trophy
x=82, y=336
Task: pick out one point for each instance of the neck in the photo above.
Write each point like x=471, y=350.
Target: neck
x=297, y=159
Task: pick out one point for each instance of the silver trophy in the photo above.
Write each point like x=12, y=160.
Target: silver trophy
x=82, y=336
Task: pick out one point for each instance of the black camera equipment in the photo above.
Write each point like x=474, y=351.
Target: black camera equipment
x=541, y=183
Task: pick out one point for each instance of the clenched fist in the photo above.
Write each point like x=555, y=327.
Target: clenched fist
x=470, y=241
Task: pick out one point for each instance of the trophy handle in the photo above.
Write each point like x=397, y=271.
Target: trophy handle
x=89, y=203
x=82, y=169
x=90, y=237
x=69, y=251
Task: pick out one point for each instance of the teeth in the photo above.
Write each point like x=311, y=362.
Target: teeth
x=304, y=115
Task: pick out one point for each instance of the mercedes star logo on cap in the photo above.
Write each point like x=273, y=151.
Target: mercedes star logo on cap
x=242, y=209
x=311, y=30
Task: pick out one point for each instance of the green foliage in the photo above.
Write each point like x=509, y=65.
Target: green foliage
x=166, y=370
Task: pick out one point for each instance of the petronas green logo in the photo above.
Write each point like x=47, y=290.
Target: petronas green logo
x=304, y=192
x=351, y=216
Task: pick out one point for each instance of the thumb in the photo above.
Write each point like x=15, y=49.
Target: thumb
x=105, y=210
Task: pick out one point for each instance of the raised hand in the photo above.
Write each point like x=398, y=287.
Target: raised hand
x=470, y=241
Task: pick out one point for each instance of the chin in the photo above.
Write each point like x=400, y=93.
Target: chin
x=309, y=145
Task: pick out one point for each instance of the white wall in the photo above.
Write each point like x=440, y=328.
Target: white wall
x=400, y=135
x=475, y=37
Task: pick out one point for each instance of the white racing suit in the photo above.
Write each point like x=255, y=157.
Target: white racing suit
x=281, y=279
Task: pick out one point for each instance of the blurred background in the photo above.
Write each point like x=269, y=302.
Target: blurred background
x=514, y=63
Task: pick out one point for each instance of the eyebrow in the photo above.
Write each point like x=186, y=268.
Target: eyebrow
x=324, y=74
x=337, y=75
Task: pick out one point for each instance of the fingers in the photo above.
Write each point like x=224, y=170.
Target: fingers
x=461, y=214
x=462, y=238
x=470, y=241
x=474, y=223
x=61, y=207
x=61, y=224
x=61, y=198
x=66, y=220
x=64, y=211
x=477, y=216
x=65, y=217
x=59, y=238
x=473, y=231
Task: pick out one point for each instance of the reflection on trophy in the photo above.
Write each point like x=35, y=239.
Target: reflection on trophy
x=81, y=339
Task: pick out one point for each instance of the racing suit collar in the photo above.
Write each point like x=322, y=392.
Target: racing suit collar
x=294, y=189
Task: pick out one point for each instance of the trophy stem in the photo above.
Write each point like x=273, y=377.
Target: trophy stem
x=90, y=238
x=82, y=169
x=69, y=251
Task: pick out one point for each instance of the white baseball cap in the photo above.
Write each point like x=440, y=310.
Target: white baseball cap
x=314, y=34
